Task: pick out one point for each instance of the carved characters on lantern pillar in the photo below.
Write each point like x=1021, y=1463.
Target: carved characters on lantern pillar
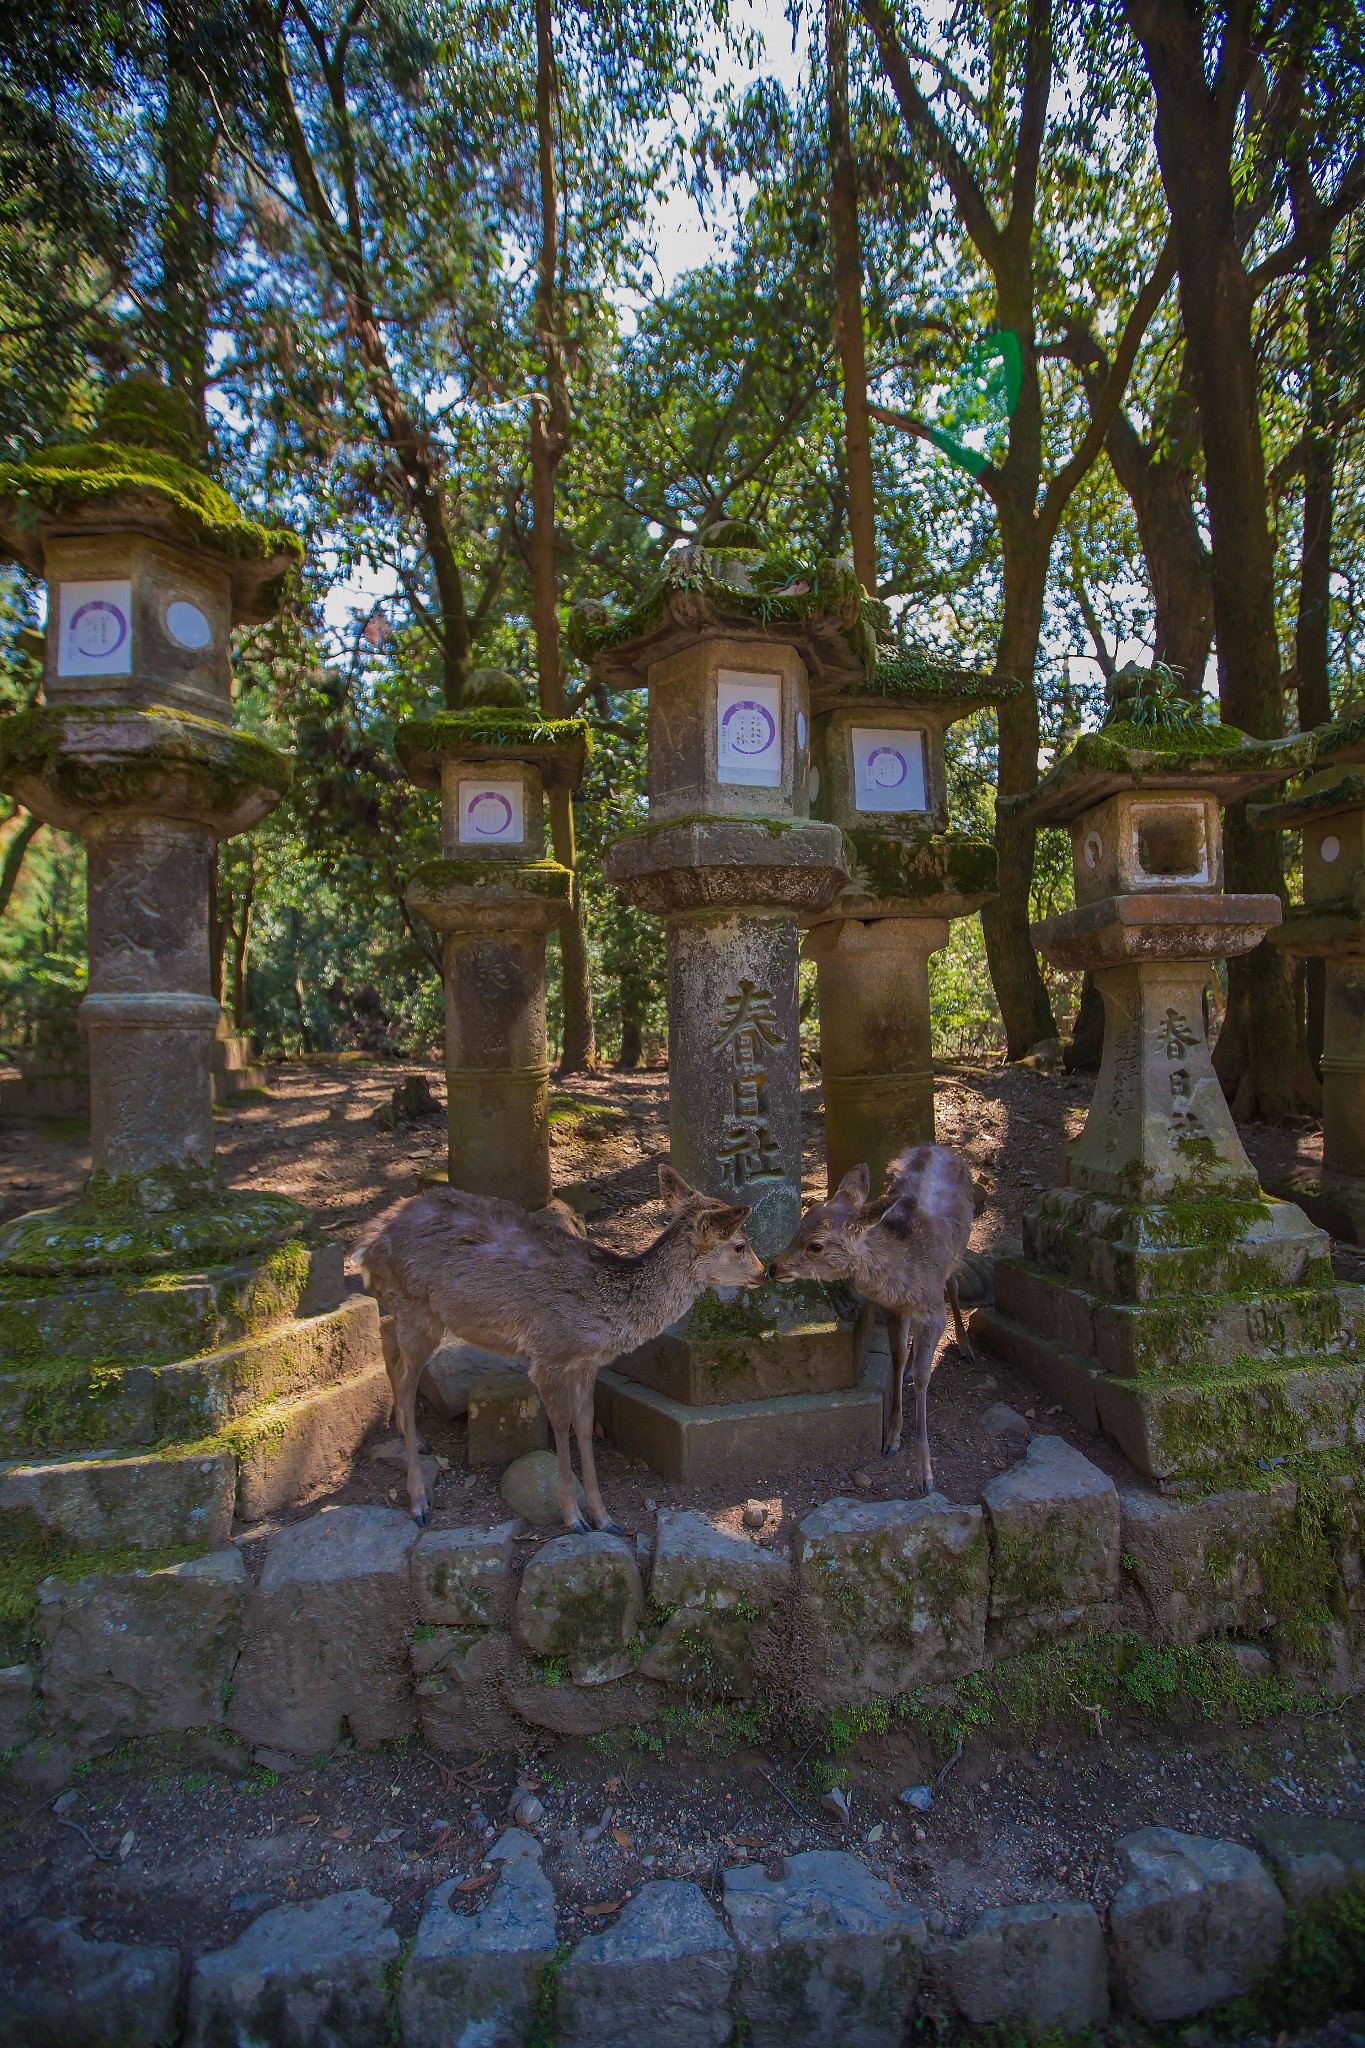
x=1178, y=1038
x=749, y=1031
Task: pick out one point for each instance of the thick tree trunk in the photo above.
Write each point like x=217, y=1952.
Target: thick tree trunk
x=12, y=866
x=1312, y=628
x=187, y=224
x=1160, y=489
x=632, y=1038
x=848, y=290
x=549, y=433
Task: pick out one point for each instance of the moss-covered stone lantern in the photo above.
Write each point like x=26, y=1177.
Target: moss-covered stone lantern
x=494, y=897
x=878, y=770
x=171, y=1346
x=1329, y=925
x=1160, y=1293
x=728, y=643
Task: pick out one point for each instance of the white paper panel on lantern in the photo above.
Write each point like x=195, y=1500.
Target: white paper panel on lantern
x=491, y=813
x=888, y=769
x=749, y=728
x=95, y=630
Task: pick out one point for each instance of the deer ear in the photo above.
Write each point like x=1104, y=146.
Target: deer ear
x=674, y=1188
x=855, y=1186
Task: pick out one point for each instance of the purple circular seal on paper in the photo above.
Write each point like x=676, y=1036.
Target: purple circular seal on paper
x=887, y=768
x=98, y=628
x=748, y=727
x=489, y=813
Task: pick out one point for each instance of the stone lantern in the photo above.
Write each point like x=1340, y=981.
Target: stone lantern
x=494, y=897
x=878, y=771
x=1161, y=1295
x=728, y=645
x=1329, y=810
x=171, y=1346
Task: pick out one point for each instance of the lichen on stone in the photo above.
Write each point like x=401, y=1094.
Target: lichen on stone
x=450, y=732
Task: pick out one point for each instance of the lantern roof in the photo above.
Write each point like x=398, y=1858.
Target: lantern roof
x=559, y=747
x=1330, y=798
x=1217, y=758
x=916, y=677
x=138, y=473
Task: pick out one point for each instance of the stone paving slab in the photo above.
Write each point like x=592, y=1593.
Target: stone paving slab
x=659, y=1977
x=734, y=1443
x=312, y=1975
x=61, y=1991
x=1196, y=1922
x=1042, y=1964
x=473, y=1980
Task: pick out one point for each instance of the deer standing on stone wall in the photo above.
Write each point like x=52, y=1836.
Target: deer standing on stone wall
x=900, y=1252
x=522, y=1285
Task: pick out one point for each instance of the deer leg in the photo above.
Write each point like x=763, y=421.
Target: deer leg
x=582, y=1425
x=922, y=1363
x=415, y=1336
x=559, y=1407
x=897, y=1333
x=960, y=1336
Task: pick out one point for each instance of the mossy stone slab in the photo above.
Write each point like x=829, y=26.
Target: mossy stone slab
x=1209, y=1242
x=149, y=1501
x=1233, y=1424
x=581, y=1600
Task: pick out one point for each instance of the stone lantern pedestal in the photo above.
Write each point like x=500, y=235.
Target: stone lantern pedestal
x=878, y=772
x=1329, y=925
x=171, y=1348
x=495, y=897
x=1161, y=1295
x=727, y=646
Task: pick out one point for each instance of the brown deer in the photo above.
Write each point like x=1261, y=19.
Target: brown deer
x=900, y=1252
x=522, y=1285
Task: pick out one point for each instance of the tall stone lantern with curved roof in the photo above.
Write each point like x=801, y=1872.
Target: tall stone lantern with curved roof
x=172, y=1346
x=494, y=897
x=729, y=644
x=878, y=771
x=1160, y=1294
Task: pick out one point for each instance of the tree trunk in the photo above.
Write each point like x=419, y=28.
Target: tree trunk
x=848, y=289
x=187, y=225
x=632, y=1038
x=1160, y=489
x=1258, y=1058
x=549, y=434
x=241, y=939
x=1312, y=628
x=14, y=859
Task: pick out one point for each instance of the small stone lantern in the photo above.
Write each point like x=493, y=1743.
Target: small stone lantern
x=728, y=645
x=494, y=896
x=190, y=1341
x=1329, y=810
x=878, y=771
x=1160, y=1294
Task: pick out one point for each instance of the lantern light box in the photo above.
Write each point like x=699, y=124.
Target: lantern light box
x=749, y=729
x=888, y=769
x=491, y=813
x=95, y=636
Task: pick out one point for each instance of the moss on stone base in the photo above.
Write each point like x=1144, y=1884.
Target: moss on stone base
x=144, y=743
x=108, y=1231
x=31, y=1553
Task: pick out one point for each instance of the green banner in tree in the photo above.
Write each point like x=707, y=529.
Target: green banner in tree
x=975, y=416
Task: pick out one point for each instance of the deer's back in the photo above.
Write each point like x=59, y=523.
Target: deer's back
x=918, y=1230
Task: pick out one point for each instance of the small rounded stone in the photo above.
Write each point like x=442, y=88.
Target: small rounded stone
x=530, y=1486
x=755, y=1515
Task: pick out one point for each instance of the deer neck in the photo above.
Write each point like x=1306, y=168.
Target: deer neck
x=659, y=1286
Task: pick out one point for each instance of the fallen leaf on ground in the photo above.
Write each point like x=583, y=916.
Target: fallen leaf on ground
x=622, y=1837
x=607, y=1906
x=477, y=1882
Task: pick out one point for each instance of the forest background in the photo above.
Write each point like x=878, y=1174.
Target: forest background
x=498, y=303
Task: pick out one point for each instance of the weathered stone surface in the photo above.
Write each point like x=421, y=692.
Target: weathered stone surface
x=1195, y=1922
x=452, y=1371
x=1213, y=1427
x=827, y=1953
x=326, y=1633
x=310, y=1442
x=1313, y=1857
x=581, y=1599
x=900, y=1590
x=1045, y=1965
x=136, y=1653
x=312, y=1975
x=393, y=1453
x=732, y=1443
x=659, y=1977
x=462, y=1676
x=531, y=1489
x=718, y=1586
x=564, y=1709
x=60, y=1991
x=1196, y=1563
x=17, y=1691
x=152, y=1502
x=506, y=1418
x=462, y=1576
x=1054, y=1528
x=474, y=1978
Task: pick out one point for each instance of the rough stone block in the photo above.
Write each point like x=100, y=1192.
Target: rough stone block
x=1054, y=1527
x=452, y=1371
x=1196, y=1922
x=474, y=1978
x=1313, y=1857
x=1206, y=1430
x=659, y=1977
x=581, y=1600
x=326, y=1633
x=563, y=1709
x=462, y=1577
x=462, y=1675
x=303, y=1445
x=506, y=1418
x=900, y=1590
x=827, y=1953
x=313, y=1975
x=137, y=1653
x=718, y=1587
x=18, y=1690
x=1196, y=1563
x=810, y=1356
x=151, y=1502
x=738, y=1443
x=60, y=1991
x=1045, y=1965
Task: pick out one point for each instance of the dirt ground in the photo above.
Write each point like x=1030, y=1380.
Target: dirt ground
x=189, y=1841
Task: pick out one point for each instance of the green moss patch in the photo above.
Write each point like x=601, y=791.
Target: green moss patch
x=450, y=732
x=527, y=878
x=916, y=865
x=38, y=743
x=31, y=1553
x=101, y=1234
x=89, y=474
x=916, y=676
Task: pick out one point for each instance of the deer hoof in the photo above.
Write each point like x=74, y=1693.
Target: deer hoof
x=421, y=1513
x=577, y=1527
x=890, y=1450
x=610, y=1529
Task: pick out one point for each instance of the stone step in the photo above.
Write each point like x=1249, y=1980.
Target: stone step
x=70, y=1404
x=1146, y=1252
x=230, y=1081
x=151, y=1501
x=1230, y=1426
x=1059, y=1374
x=805, y=1358
x=167, y=1315
x=290, y=1449
x=739, y=1442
